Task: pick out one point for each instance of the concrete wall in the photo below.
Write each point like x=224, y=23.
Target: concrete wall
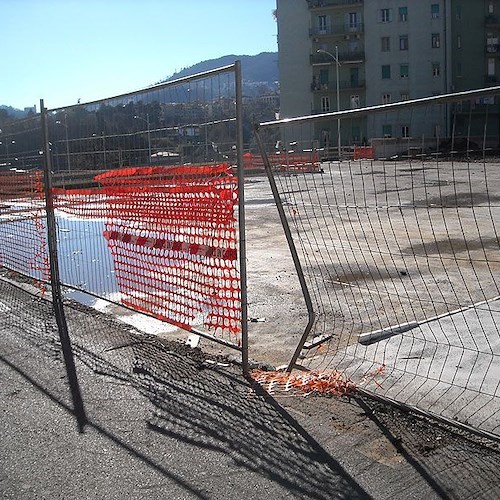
x=293, y=59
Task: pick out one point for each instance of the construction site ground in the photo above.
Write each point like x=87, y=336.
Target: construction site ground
x=169, y=421
x=166, y=421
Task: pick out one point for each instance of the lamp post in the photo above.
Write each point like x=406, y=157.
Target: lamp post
x=149, y=134
x=65, y=123
x=337, y=65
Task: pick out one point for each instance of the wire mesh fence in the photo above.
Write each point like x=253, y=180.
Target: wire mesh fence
x=145, y=198
x=399, y=249
x=23, y=235
x=395, y=241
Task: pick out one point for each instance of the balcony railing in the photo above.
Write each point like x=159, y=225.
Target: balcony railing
x=317, y=4
x=344, y=57
x=317, y=111
x=491, y=20
x=338, y=29
x=332, y=86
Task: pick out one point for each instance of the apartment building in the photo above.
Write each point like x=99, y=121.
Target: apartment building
x=344, y=54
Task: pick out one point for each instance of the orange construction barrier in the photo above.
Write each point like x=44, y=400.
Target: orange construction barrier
x=364, y=153
x=284, y=162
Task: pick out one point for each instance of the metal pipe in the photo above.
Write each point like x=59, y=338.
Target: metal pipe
x=55, y=282
x=178, y=81
x=384, y=108
x=293, y=251
x=241, y=217
x=67, y=141
x=337, y=64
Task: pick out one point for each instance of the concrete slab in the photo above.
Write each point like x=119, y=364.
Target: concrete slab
x=449, y=366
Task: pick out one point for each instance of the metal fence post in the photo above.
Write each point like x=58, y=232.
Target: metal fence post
x=293, y=251
x=57, y=302
x=241, y=217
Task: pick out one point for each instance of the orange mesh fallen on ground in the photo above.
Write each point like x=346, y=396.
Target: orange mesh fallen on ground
x=332, y=383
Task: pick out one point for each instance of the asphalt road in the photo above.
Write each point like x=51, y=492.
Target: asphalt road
x=165, y=422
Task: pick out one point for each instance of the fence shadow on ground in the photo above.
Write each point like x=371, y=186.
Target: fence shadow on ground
x=206, y=404
x=192, y=402
x=455, y=464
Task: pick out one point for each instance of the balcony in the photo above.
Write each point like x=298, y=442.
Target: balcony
x=331, y=86
x=332, y=109
x=492, y=48
x=344, y=57
x=345, y=30
x=319, y=4
x=492, y=21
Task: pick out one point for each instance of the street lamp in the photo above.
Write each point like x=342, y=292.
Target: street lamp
x=7, y=148
x=149, y=134
x=337, y=64
x=65, y=123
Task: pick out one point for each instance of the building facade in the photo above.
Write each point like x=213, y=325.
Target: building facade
x=344, y=54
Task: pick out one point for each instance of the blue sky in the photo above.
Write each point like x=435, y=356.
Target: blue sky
x=65, y=50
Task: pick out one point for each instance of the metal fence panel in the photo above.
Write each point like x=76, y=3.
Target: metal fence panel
x=400, y=254
x=147, y=202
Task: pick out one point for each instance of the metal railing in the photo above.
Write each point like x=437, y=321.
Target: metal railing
x=338, y=29
x=313, y=4
x=343, y=57
x=331, y=85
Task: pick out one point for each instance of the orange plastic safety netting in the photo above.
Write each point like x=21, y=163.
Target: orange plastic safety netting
x=23, y=233
x=331, y=383
x=173, y=238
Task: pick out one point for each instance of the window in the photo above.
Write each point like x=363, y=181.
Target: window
x=404, y=96
x=385, y=15
x=355, y=101
x=385, y=44
x=387, y=130
x=490, y=8
x=435, y=40
x=322, y=24
x=459, y=69
x=459, y=42
x=355, y=133
x=435, y=11
x=323, y=76
x=403, y=70
x=386, y=71
x=491, y=66
x=353, y=21
x=403, y=42
x=405, y=131
x=459, y=13
x=354, y=77
x=403, y=14
x=436, y=69
x=325, y=104
x=386, y=98
x=353, y=47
